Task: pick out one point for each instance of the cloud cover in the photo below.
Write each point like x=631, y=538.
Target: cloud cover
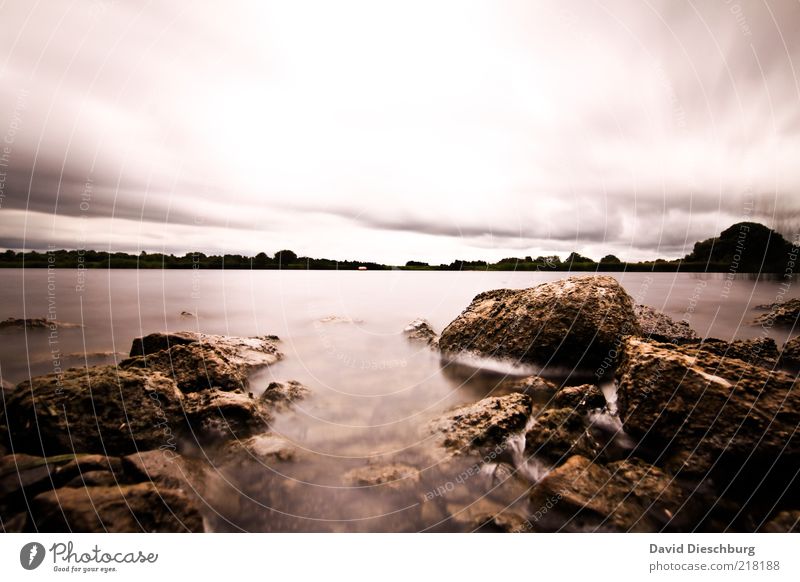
x=415, y=130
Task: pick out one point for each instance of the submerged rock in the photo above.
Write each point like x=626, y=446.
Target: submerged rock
x=35, y=323
x=573, y=322
x=622, y=496
x=785, y=313
x=558, y=433
x=661, y=327
x=420, y=330
x=128, y=508
x=394, y=476
x=696, y=411
x=584, y=397
x=281, y=395
x=266, y=447
x=215, y=414
x=485, y=424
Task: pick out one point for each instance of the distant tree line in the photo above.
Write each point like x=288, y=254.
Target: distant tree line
x=745, y=247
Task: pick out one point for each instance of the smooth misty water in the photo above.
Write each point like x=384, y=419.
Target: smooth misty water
x=373, y=393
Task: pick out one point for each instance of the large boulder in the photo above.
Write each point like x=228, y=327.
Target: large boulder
x=577, y=321
x=93, y=410
x=761, y=351
x=128, y=508
x=199, y=361
x=622, y=496
x=697, y=412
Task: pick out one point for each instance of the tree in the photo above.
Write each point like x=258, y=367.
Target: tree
x=285, y=257
x=609, y=259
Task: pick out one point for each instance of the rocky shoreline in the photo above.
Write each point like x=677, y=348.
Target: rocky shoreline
x=661, y=430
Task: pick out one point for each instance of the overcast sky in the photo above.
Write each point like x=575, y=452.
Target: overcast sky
x=391, y=131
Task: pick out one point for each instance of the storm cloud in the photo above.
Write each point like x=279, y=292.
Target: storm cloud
x=417, y=130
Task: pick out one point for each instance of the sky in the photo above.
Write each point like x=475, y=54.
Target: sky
x=392, y=131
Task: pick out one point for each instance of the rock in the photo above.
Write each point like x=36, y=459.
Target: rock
x=559, y=433
x=35, y=474
x=35, y=323
x=225, y=415
x=6, y=386
x=485, y=424
x=339, y=319
x=486, y=516
x=129, y=508
x=785, y=313
x=394, y=476
x=758, y=351
x=696, y=410
x=784, y=522
x=661, y=327
x=200, y=361
x=163, y=468
x=156, y=342
x=14, y=524
x=94, y=479
x=263, y=447
x=577, y=321
x=93, y=410
x=790, y=355
x=622, y=496
x=420, y=330
x=584, y=397
x=540, y=390
x=280, y=395
x=187, y=315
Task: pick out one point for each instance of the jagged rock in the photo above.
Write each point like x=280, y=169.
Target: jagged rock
x=201, y=361
x=784, y=522
x=760, y=351
x=559, y=433
x=94, y=479
x=661, y=327
x=263, y=447
x=394, y=476
x=486, y=516
x=622, y=496
x=790, y=355
x=485, y=424
x=165, y=468
x=694, y=410
x=129, y=508
x=420, y=330
x=785, y=313
x=226, y=415
x=540, y=390
x=93, y=410
x=281, y=395
x=584, y=397
x=575, y=322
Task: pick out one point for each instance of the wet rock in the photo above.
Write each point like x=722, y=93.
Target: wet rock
x=93, y=410
x=201, y=361
x=574, y=322
x=420, y=330
x=784, y=522
x=661, y=327
x=35, y=323
x=760, y=351
x=130, y=508
x=485, y=424
x=280, y=395
x=790, y=355
x=486, y=516
x=156, y=342
x=6, y=386
x=215, y=414
x=394, y=476
x=559, y=433
x=622, y=496
x=785, y=313
x=540, y=390
x=263, y=447
x=94, y=479
x=695, y=410
x=584, y=397
x=164, y=468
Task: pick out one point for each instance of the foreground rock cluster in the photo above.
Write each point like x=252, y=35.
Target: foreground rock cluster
x=698, y=434
x=100, y=448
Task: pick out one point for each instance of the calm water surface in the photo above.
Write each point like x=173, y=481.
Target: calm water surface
x=373, y=393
